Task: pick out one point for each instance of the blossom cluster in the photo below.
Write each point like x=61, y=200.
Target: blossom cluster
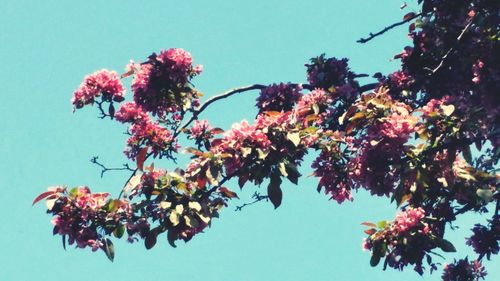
x=398, y=240
x=79, y=215
x=103, y=83
x=202, y=132
x=332, y=175
x=328, y=73
x=484, y=240
x=464, y=270
x=316, y=105
x=161, y=84
x=279, y=97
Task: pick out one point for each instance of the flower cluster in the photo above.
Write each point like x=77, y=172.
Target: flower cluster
x=484, y=240
x=150, y=134
x=315, y=105
x=278, y=97
x=201, y=132
x=398, y=240
x=332, y=175
x=161, y=84
x=463, y=270
x=326, y=73
x=103, y=83
x=384, y=126
x=80, y=215
x=129, y=112
x=407, y=220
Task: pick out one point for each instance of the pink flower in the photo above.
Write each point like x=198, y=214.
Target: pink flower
x=408, y=219
x=103, y=82
x=316, y=102
x=130, y=112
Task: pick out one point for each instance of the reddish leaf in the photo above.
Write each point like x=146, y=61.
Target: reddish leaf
x=42, y=196
x=370, y=231
x=150, y=240
x=216, y=142
x=409, y=16
x=369, y=224
x=242, y=180
x=141, y=156
x=273, y=114
x=228, y=193
x=216, y=131
x=201, y=182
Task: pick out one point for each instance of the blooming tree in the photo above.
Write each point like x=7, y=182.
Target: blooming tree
x=408, y=136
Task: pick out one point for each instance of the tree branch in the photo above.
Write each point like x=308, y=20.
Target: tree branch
x=373, y=35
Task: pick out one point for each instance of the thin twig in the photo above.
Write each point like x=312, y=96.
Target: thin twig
x=257, y=197
x=373, y=35
x=105, y=169
x=459, y=39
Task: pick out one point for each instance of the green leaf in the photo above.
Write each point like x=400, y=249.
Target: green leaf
x=375, y=259
x=445, y=245
x=119, y=231
x=381, y=224
x=274, y=191
x=109, y=249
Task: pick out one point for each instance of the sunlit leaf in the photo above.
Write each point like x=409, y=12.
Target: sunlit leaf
x=448, y=109
x=294, y=138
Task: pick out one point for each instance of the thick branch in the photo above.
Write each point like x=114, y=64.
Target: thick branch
x=373, y=35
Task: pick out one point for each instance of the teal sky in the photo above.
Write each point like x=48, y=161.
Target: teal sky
x=46, y=47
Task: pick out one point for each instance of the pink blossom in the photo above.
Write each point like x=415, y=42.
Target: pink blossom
x=409, y=219
x=130, y=112
x=316, y=102
x=103, y=82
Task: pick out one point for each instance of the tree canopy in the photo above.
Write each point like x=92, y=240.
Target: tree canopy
x=424, y=136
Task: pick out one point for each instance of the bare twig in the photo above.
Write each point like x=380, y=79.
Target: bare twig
x=105, y=169
x=257, y=198
x=373, y=35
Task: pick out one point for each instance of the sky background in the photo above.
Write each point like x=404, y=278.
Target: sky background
x=46, y=48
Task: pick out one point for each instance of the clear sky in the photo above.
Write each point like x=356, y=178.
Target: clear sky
x=46, y=47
